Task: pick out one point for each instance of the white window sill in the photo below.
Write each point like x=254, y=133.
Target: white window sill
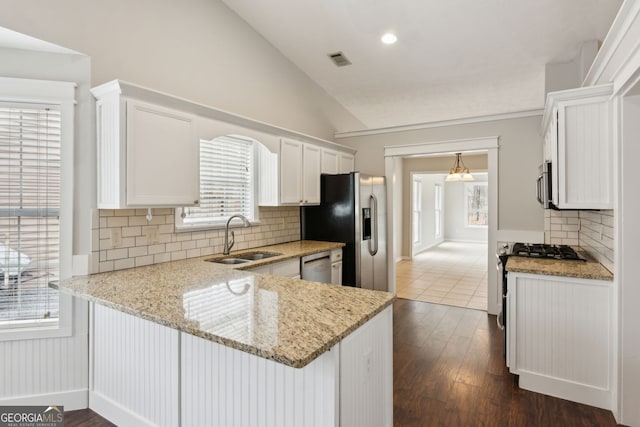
x=213, y=226
x=54, y=328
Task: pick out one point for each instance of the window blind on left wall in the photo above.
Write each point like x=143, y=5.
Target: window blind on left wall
x=29, y=212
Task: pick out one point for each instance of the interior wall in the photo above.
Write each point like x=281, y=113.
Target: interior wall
x=519, y=156
x=433, y=164
x=196, y=49
x=455, y=227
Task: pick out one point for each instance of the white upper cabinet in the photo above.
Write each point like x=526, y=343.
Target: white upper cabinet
x=346, y=163
x=310, y=174
x=299, y=173
x=291, y=172
x=148, y=154
x=578, y=143
x=329, y=161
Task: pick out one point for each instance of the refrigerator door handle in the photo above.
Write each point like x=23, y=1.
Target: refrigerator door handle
x=374, y=215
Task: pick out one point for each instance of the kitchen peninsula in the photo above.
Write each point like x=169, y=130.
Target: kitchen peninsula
x=198, y=343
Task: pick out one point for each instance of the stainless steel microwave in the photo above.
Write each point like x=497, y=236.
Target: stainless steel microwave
x=543, y=186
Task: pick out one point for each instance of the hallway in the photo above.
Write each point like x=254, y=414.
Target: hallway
x=451, y=273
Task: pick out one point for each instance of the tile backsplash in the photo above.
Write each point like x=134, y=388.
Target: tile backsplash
x=592, y=230
x=123, y=238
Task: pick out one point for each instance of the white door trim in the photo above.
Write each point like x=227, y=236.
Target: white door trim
x=488, y=144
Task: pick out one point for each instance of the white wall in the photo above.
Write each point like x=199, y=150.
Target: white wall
x=196, y=49
x=428, y=226
x=55, y=366
x=519, y=156
x=455, y=227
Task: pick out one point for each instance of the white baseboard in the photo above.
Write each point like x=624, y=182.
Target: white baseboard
x=464, y=241
x=115, y=412
x=71, y=400
x=581, y=393
x=426, y=248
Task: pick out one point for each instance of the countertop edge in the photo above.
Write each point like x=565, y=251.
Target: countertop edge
x=287, y=361
x=294, y=363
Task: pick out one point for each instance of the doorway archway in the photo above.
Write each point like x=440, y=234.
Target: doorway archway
x=393, y=158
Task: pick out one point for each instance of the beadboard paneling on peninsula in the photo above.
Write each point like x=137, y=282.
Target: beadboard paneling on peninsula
x=123, y=238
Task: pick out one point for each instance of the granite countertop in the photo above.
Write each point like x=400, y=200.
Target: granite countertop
x=290, y=321
x=551, y=267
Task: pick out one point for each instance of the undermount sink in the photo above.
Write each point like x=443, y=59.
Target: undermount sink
x=242, y=258
x=255, y=256
x=227, y=260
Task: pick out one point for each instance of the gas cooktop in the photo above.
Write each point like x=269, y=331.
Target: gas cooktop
x=539, y=250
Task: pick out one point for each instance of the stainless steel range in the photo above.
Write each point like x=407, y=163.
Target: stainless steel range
x=528, y=250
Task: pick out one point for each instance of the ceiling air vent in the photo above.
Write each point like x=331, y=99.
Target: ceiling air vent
x=339, y=59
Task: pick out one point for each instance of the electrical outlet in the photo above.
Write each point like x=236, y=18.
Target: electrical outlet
x=153, y=235
x=116, y=237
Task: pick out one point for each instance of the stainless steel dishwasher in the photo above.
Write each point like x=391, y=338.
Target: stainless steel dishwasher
x=317, y=267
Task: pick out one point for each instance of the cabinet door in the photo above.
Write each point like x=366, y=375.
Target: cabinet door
x=290, y=171
x=163, y=157
x=559, y=336
x=584, y=154
x=336, y=273
x=311, y=174
x=329, y=162
x=347, y=163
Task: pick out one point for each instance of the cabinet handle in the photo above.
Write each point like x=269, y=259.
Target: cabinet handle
x=195, y=202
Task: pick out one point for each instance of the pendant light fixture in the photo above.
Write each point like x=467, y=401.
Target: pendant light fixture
x=458, y=172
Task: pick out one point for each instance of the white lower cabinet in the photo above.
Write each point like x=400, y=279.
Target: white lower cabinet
x=336, y=266
x=560, y=336
x=146, y=374
x=288, y=268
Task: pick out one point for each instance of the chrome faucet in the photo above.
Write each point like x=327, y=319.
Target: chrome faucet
x=229, y=244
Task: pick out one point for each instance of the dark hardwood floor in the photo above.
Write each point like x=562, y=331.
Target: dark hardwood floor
x=85, y=418
x=448, y=370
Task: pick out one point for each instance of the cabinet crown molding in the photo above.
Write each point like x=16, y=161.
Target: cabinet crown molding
x=120, y=87
x=571, y=95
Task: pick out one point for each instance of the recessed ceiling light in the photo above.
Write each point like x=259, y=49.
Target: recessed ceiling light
x=389, y=38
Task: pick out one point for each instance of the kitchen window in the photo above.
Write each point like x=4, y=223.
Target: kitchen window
x=476, y=204
x=36, y=173
x=227, y=184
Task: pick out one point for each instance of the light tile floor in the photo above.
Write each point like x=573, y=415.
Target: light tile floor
x=451, y=273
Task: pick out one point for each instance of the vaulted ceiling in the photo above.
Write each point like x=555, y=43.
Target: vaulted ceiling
x=453, y=59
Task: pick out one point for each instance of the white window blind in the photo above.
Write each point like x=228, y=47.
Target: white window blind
x=29, y=212
x=226, y=181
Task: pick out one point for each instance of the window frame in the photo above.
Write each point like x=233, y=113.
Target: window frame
x=467, y=185
x=179, y=224
x=437, y=209
x=62, y=95
x=416, y=208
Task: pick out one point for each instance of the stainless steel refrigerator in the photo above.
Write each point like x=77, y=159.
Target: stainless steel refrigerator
x=353, y=211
